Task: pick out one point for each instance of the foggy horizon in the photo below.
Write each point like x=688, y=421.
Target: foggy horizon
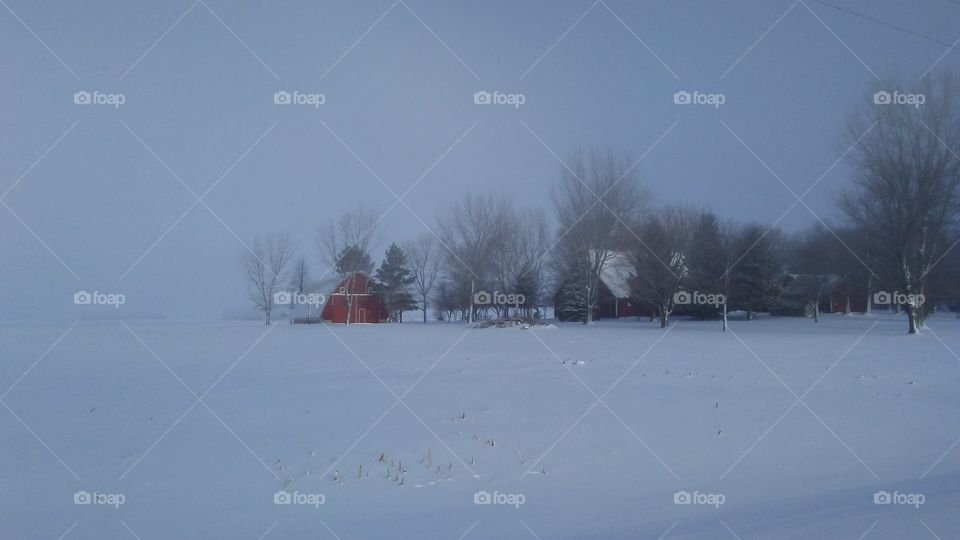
x=96, y=196
x=419, y=269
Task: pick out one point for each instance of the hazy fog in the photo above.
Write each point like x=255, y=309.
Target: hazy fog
x=88, y=206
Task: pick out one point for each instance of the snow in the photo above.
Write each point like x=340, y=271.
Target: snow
x=616, y=273
x=509, y=411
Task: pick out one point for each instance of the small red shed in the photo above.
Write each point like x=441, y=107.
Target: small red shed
x=355, y=294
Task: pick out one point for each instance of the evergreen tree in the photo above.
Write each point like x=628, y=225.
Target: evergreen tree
x=706, y=261
x=756, y=278
x=659, y=261
x=573, y=271
x=571, y=302
x=393, y=279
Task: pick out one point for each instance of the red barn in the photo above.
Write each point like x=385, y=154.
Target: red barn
x=613, y=298
x=356, y=290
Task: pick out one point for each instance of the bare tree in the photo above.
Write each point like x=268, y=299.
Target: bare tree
x=944, y=276
x=298, y=279
x=516, y=258
x=354, y=229
x=595, y=199
x=264, y=265
x=299, y=275
x=471, y=233
x=424, y=259
x=660, y=259
x=850, y=259
x=345, y=245
x=863, y=257
x=531, y=246
x=907, y=193
x=813, y=257
x=504, y=256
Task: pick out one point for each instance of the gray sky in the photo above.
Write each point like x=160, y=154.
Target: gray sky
x=398, y=79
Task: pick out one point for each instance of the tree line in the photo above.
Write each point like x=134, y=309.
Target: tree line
x=895, y=237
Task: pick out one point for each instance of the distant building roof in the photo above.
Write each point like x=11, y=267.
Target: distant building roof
x=616, y=274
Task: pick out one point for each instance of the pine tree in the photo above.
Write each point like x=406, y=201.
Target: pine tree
x=393, y=279
x=756, y=278
x=572, y=267
x=571, y=302
x=706, y=261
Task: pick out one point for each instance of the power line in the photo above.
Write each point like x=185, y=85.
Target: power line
x=888, y=25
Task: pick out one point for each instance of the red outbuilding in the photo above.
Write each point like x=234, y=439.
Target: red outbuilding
x=356, y=295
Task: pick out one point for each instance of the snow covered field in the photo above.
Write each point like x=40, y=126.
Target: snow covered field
x=191, y=431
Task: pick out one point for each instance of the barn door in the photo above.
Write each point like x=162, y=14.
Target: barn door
x=361, y=315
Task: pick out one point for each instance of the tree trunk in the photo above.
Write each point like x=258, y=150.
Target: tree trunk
x=349, y=299
x=911, y=320
x=472, y=292
x=726, y=298
x=591, y=292
x=922, y=306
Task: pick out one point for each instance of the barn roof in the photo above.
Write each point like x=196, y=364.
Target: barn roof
x=616, y=274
